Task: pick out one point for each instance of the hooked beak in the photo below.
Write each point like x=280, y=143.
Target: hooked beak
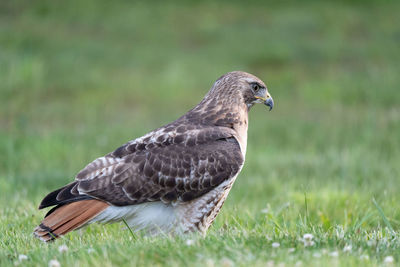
x=269, y=102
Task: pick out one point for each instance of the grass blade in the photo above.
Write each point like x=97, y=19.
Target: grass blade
x=130, y=230
x=382, y=215
x=306, y=206
x=359, y=223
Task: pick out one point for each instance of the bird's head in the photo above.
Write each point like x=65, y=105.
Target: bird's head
x=244, y=86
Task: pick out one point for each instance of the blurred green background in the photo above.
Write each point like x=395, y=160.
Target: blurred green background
x=80, y=78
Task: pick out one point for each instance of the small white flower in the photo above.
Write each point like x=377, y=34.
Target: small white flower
x=308, y=237
x=291, y=250
x=189, y=242
x=22, y=257
x=276, y=245
x=266, y=210
x=389, y=260
x=364, y=257
x=308, y=240
x=334, y=254
x=62, y=248
x=317, y=255
x=54, y=263
x=90, y=250
x=347, y=248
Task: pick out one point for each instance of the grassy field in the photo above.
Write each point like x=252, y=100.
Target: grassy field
x=80, y=78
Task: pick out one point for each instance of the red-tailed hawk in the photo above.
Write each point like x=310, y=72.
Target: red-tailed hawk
x=174, y=179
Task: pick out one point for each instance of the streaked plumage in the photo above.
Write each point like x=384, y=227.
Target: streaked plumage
x=173, y=179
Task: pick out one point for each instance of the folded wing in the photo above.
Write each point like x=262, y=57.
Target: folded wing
x=168, y=167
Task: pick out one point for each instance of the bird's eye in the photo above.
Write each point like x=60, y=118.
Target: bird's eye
x=255, y=87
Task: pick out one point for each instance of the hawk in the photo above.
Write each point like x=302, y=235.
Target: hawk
x=174, y=179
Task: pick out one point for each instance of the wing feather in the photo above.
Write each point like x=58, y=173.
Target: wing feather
x=168, y=166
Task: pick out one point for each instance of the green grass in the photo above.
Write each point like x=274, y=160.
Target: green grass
x=80, y=78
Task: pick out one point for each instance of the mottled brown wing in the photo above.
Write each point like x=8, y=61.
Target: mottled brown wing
x=183, y=168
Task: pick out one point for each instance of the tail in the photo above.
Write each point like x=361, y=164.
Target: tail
x=68, y=215
x=67, y=218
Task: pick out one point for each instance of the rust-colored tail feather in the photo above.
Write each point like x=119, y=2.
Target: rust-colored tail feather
x=67, y=218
